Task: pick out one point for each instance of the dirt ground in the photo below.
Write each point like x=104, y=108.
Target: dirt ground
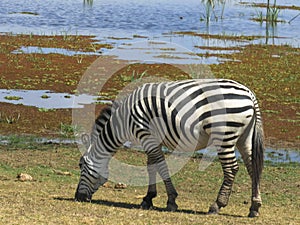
x=49, y=197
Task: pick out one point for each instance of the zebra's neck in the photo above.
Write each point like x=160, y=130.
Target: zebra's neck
x=108, y=133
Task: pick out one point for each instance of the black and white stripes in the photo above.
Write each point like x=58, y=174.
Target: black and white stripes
x=183, y=115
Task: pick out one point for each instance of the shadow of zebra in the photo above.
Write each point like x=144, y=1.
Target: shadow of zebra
x=126, y=205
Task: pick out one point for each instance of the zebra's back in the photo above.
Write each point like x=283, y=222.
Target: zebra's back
x=192, y=113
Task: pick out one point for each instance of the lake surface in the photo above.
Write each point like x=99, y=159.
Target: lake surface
x=151, y=18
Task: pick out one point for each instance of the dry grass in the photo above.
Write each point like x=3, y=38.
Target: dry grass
x=49, y=198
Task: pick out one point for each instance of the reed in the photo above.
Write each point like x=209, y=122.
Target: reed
x=271, y=15
x=210, y=12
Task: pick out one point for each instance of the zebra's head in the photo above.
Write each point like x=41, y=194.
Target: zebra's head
x=94, y=163
x=91, y=178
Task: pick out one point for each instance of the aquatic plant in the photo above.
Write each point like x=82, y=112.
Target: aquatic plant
x=294, y=17
x=260, y=17
x=45, y=96
x=271, y=15
x=272, y=12
x=210, y=9
x=16, y=98
x=88, y=2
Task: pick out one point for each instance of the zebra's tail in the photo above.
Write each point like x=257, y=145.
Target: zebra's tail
x=257, y=149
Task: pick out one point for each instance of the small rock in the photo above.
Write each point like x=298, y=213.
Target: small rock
x=24, y=177
x=106, y=185
x=63, y=173
x=120, y=186
x=139, y=196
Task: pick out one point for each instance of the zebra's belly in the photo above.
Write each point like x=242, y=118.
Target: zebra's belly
x=186, y=143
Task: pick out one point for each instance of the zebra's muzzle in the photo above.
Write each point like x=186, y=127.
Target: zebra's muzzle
x=82, y=197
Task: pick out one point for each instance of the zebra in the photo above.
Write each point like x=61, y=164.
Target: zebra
x=193, y=113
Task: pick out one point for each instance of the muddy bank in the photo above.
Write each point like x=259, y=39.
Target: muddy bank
x=272, y=72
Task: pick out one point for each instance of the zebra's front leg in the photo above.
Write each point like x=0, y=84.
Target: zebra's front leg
x=157, y=163
x=230, y=168
x=147, y=200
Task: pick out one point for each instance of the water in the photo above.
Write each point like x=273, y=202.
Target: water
x=119, y=22
x=271, y=155
x=150, y=18
x=46, y=99
x=41, y=50
x=162, y=51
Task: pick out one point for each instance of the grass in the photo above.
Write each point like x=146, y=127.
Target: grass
x=68, y=130
x=133, y=77
x=9, y=119
x=48, y=199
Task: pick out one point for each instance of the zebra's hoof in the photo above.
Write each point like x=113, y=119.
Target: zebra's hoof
x=253, y=214
x=214, y=209
x=172, y=207
x=146, y=205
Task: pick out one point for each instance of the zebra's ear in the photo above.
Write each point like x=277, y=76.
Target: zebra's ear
x=81, y=162
x=115, y=104
x=86, y=141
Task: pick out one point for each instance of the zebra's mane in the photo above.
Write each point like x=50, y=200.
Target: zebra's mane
x=105, y=115
x=98, y=126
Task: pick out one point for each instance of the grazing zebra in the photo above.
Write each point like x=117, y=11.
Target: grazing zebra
x=193, y=114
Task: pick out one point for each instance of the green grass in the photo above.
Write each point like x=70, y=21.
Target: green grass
x=133, y=77
x=9, y=118
x=49, y=198
x=68, y=130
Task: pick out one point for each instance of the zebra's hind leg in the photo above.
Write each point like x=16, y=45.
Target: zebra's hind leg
x=256, y=200
x=147, y=200
x=230, y=168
